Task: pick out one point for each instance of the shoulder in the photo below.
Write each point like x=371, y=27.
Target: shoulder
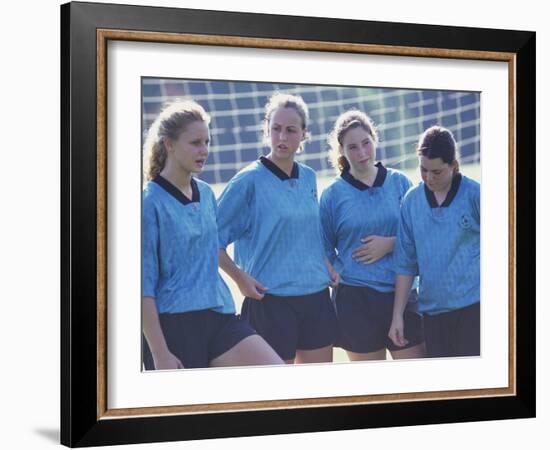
x=334, y=186
x=470, y=184
x=205, y=189
x=247, y=174
x=306, y=170
x=152, y=193
x=397, y=175
x=413, y=193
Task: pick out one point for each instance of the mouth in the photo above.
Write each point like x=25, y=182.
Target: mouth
x=282, y=147
x=200, y=162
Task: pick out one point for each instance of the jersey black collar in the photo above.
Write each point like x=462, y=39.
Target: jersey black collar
x=176, y=193
x=430, y=196
x=278, y=172
x=378, y=181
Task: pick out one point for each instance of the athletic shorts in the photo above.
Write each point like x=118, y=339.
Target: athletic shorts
x=453, y=333
x=198, y=337
x=290, y=323
x=364, y=320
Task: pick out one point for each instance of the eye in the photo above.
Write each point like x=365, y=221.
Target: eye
x=437, y=172
x=366, y=142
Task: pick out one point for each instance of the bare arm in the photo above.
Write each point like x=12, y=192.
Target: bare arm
x=248, y=286
x=162, y=357
x=403, y=284
x=334, y=276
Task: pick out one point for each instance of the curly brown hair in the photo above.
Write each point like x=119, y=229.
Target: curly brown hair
x=347, y=121
x=170, y=123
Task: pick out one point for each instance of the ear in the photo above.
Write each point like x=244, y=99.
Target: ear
x=168, y=144
x=341, y=150
x=455, y=165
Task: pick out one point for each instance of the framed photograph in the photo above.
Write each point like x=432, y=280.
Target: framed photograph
x=122, y=64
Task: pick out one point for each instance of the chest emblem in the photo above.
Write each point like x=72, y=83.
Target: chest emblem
x=465, y=221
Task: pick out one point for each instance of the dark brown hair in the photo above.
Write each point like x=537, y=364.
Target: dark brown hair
x=347, y=121
x=438, y=142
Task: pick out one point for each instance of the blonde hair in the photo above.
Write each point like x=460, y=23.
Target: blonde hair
x=280, y=100
x=170, y=123
x=347, y=121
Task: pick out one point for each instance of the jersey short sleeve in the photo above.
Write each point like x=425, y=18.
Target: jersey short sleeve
x=233, y=209
x=405, y=257
x=328, y=232
x=149, y=245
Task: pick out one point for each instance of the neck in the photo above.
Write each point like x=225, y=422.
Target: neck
x=366, y=176
x=179, y=178
x=285, y=165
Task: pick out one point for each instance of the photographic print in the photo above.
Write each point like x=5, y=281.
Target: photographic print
x=353, y=254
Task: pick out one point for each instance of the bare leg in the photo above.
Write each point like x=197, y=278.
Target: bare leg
x=371, y=356
x=418, y=351
x=319, y=355
x=251, y=351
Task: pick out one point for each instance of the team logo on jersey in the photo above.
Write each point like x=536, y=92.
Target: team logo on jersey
x=292, y=182
x=196, y=207
x=466, y=221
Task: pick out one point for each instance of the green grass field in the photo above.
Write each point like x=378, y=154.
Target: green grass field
x=470, y=170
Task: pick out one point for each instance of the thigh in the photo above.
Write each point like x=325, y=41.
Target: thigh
x=319, y=355
x=371, y=356
x=250, y=351
x=275, y=321
x=413, y=352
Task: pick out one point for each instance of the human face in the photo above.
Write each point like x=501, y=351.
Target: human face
x=189, y=152
x=286, y=133
x=359, y=148
x=437, y=174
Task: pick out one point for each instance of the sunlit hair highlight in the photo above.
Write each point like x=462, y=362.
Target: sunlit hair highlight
x=170, y=123
x=281, y=100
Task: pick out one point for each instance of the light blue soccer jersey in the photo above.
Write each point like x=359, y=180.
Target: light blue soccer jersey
x=273, y=219
x=441, y=244
x=180, y=249
x=350, y=211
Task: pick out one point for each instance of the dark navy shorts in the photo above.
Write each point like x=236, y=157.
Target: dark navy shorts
x=364, y=320
x=197, y=337
x=453, y=333
x=290, y=323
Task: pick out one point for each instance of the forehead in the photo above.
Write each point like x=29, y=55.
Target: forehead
x=198, y=127
x=433, y=164
x=357, y=134
x=286, y=116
